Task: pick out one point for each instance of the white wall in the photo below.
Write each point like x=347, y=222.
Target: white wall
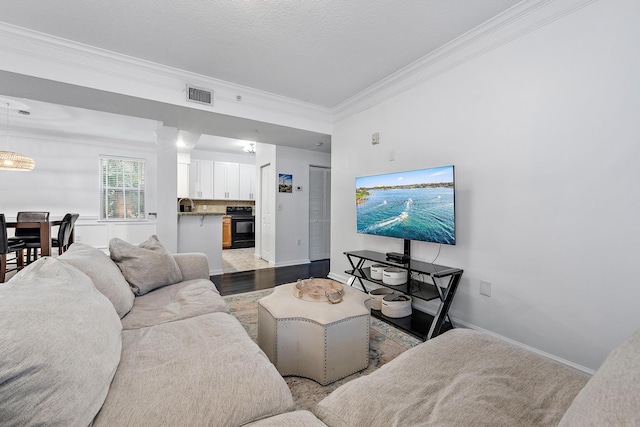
x=543, y=132
x=66, y=179
x=290, y=225
x=292, y=209
x=167, y=220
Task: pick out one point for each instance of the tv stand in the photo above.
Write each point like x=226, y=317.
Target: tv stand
x=414, y=288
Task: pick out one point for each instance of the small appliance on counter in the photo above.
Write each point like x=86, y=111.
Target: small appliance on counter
x=186, y=208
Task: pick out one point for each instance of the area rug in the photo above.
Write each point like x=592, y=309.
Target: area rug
x=386, y=343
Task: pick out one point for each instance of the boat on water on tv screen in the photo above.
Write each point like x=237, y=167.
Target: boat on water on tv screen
x=411, y=205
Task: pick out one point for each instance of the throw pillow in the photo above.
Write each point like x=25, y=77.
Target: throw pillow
x=147, y=266
x=106, y=276
x=61, y=344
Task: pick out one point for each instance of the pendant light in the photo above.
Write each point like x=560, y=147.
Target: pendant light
x=250, y=148
x=11, y=161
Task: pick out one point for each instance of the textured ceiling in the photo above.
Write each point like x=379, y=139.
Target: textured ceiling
x=318, y=51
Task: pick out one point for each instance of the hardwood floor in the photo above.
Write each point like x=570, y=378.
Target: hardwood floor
x=247, y=281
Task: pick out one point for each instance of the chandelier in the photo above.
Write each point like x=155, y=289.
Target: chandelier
x=11, y=161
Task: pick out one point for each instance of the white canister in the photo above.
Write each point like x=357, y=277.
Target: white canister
x=394, y=276
x=396, y=305
x=376, y=297
x=376, y=271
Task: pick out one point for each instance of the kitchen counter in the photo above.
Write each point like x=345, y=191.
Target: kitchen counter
x=202, y=232
x=200, y=213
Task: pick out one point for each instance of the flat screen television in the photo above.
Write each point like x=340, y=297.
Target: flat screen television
x=412, y=205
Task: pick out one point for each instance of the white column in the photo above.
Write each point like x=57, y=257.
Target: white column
x=167, y=222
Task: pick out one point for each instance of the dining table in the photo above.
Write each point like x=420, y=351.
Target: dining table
x=45, y=232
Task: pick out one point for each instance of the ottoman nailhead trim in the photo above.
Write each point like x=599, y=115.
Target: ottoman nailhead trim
x=325, y=326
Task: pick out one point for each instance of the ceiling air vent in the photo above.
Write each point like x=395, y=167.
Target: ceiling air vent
x=202, y=96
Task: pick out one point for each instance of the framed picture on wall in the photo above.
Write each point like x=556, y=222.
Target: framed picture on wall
x=285, y=183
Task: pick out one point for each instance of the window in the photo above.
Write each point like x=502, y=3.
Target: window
x=121, y=188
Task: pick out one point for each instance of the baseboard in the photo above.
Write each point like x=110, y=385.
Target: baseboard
x=575, y=366
x=461, y=323
x=215, y=272
x=289, y=263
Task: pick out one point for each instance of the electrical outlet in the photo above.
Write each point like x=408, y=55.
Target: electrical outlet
x=299, y=242
x=375, y=138
x=77, y=238
x=485, y=288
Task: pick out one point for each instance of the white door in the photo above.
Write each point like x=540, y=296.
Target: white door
x=319, y=213
x=267, y=196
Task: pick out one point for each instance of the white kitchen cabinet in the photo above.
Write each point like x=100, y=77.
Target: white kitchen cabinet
x=247, y=182
x=201, y=179
x=226, y=180
x=183, y=180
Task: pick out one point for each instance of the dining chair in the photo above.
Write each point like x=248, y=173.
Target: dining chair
x=6, y=248
x=64, y=233
x=30, y=236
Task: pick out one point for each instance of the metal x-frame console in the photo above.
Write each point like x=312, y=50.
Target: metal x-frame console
x=413, y=287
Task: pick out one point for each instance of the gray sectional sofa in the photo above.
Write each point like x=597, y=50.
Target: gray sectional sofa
x=467, y=378
x=80, y=348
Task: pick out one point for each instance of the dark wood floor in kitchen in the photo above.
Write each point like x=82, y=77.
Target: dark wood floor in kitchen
x=247, y=281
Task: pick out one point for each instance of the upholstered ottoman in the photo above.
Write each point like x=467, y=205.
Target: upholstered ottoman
x=317, y=340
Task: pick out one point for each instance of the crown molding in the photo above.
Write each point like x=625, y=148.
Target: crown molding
x=58, y=136
x=516, y=22
x=56, y=51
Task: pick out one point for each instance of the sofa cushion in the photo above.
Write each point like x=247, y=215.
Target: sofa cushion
x=106, y=276
x=201, y=371
x=289, y=419
x=460, y=378
x=193, y=265
x=176, y=302
x=612, y=395
x=147, y=266
x=60, y=341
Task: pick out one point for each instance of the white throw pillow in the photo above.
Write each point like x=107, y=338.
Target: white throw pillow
x=147, y=266
x=104, y=273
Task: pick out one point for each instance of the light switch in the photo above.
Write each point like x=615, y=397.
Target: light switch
x=485, y=288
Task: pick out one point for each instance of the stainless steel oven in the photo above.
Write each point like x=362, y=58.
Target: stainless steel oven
x=243, y=230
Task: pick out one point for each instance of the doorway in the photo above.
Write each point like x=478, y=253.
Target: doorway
x=319, y=213
x=267, y=195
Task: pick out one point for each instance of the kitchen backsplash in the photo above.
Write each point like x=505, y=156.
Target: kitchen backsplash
x=219, y=206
